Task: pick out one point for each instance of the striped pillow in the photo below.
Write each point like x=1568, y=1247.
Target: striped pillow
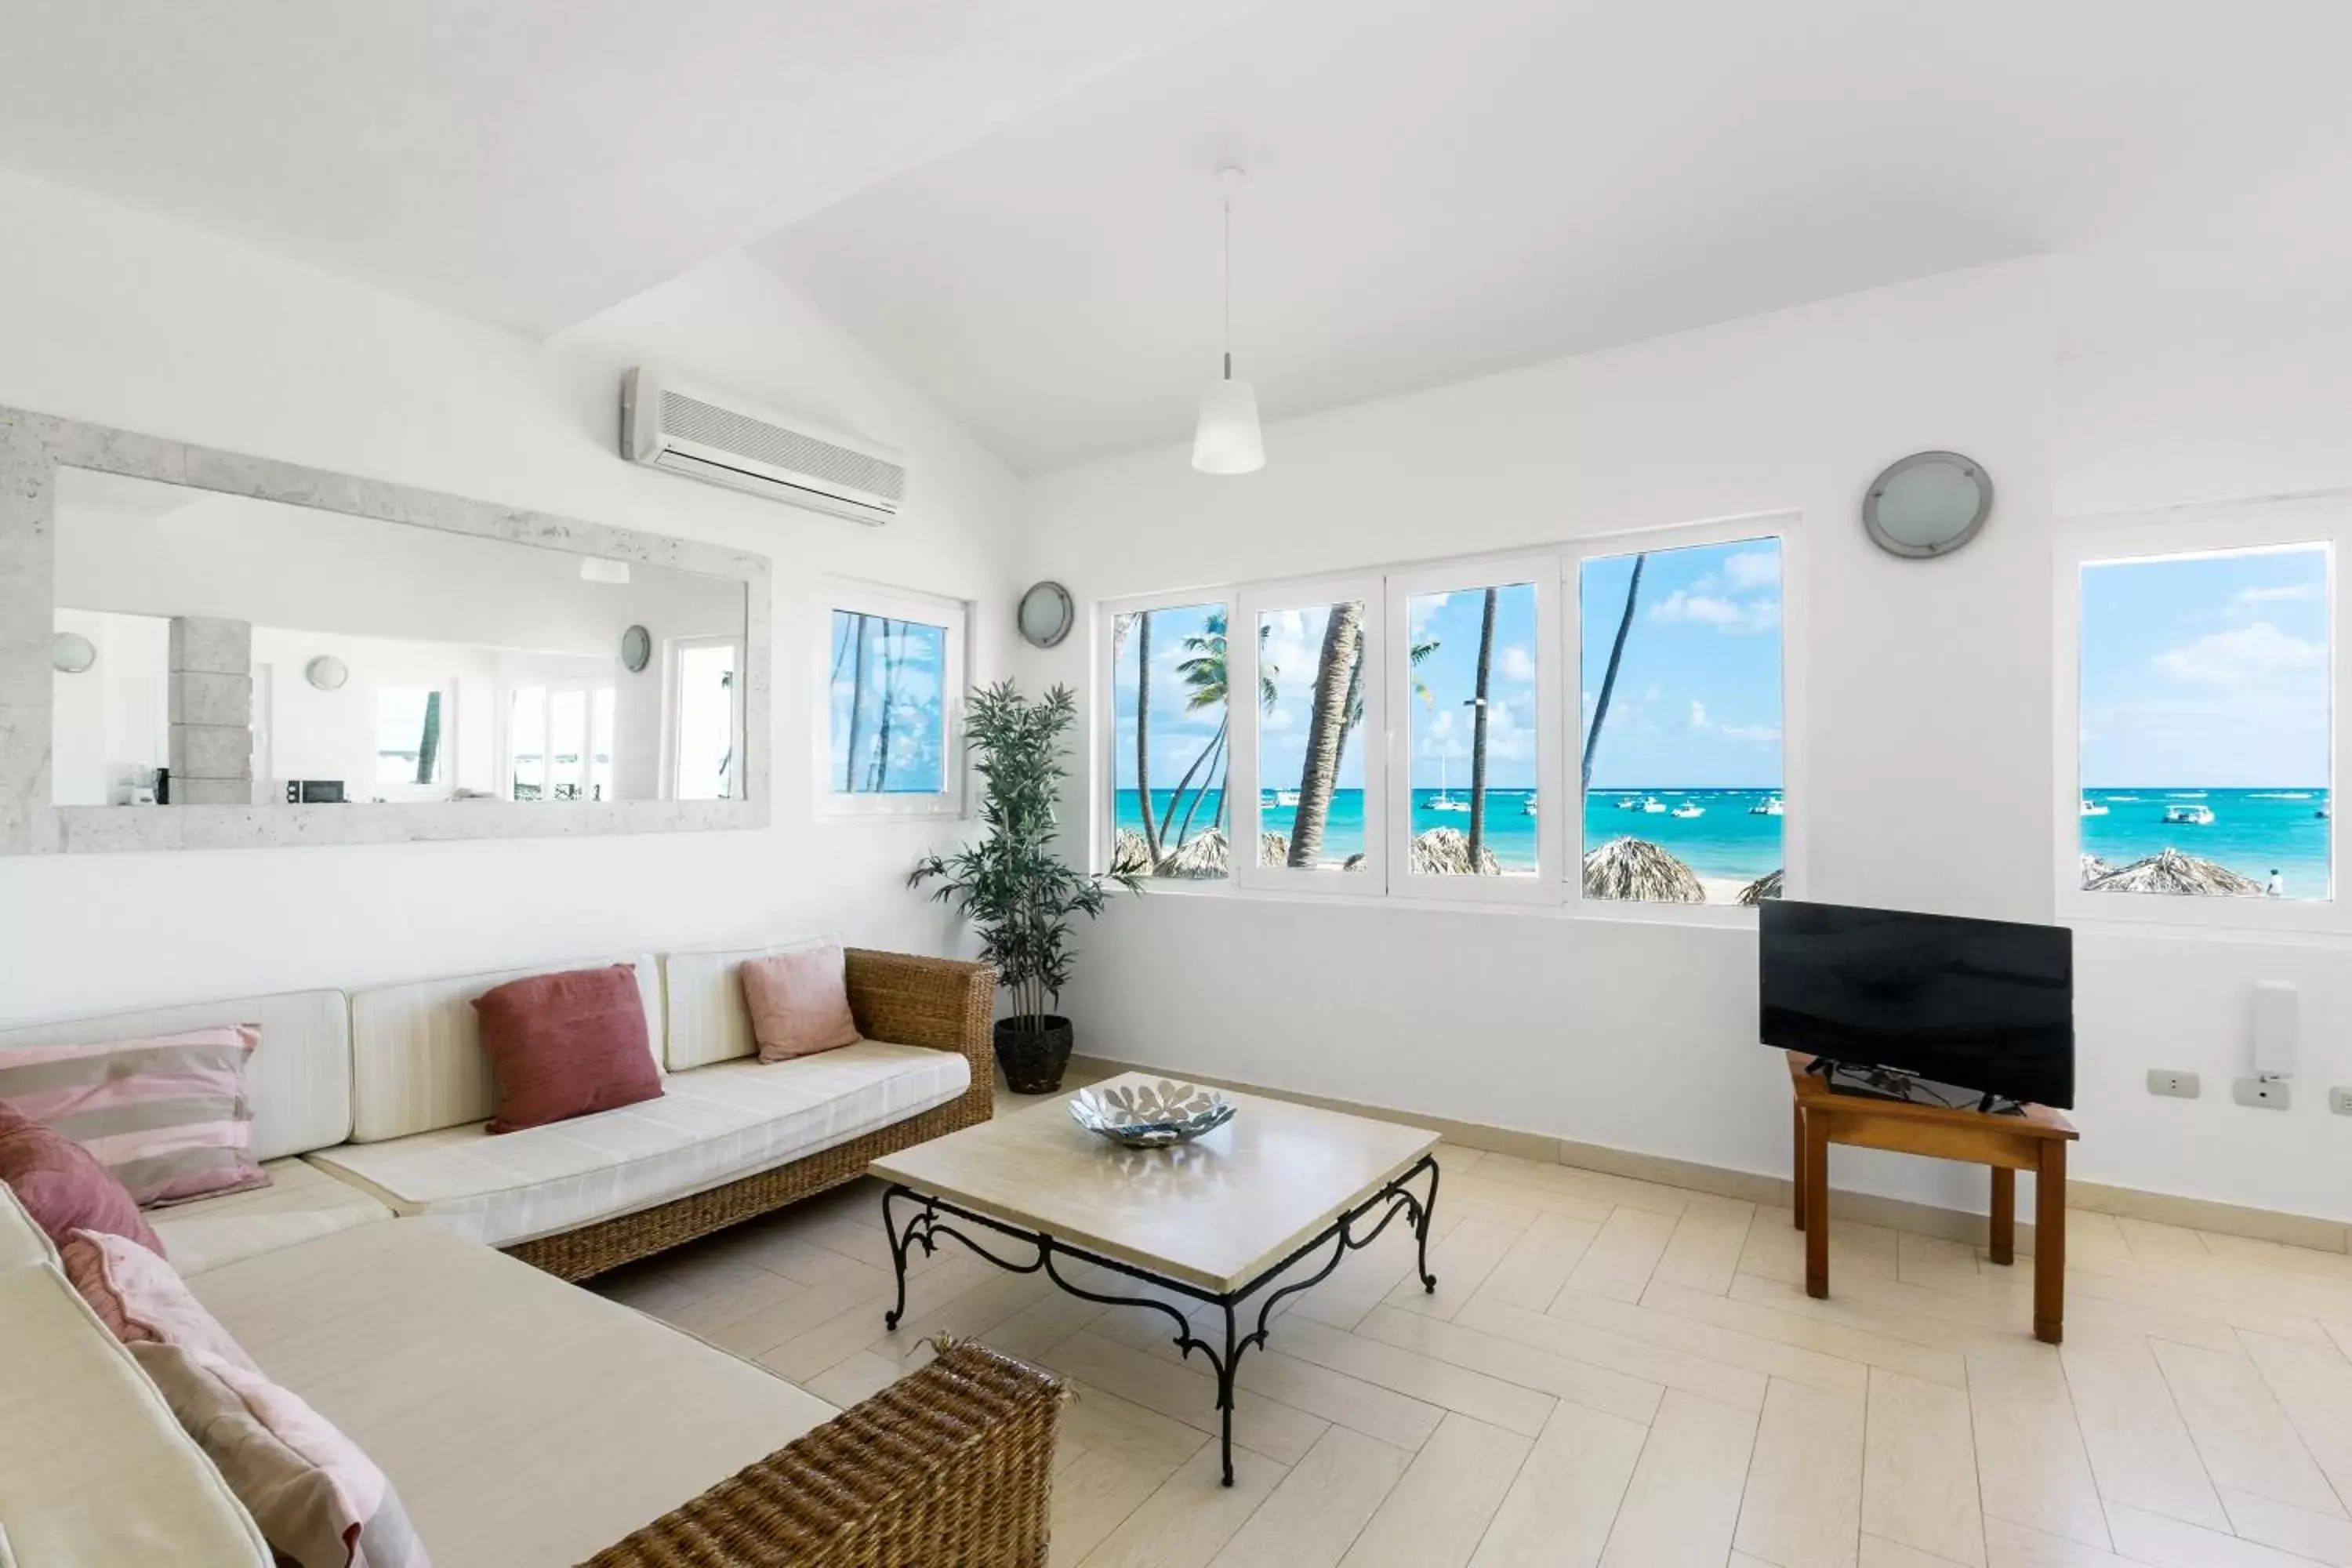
x=167, y=1116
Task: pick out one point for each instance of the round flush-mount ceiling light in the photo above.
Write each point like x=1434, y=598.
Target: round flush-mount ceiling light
x=1928, y=504
x=327, y=673
x=71, y=653
x=1228, y=439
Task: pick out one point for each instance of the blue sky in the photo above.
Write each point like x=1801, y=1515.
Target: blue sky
x=912, y=658
x=2209, y=670
x=1697, y=699
x=1178, y=735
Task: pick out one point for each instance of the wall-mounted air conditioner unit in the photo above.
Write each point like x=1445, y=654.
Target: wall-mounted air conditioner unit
x=723, y=440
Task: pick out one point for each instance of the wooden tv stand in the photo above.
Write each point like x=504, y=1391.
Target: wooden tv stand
x=2035, y=1141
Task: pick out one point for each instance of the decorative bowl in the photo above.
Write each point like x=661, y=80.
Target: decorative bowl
x=1151, y=1116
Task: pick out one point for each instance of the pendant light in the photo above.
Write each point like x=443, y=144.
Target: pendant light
x=1227, y=440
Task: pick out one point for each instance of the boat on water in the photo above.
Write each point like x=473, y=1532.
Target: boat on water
x=1446, y=801
x=1629, y=804
x=1281, y=797
x=1690, y=808
x=1527, y=807
x=2092, y=808
x=1770, y=806
x=1653, y=806
x=2321, y=814
x=2189, y=815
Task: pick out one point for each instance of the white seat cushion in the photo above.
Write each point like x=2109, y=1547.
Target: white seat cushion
x=300, y=1201
x=524, y=1420
x=709, y=1127
x=93, y=1467
x=21, y=1241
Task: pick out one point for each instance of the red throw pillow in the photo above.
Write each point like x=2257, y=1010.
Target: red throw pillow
x=566, y=1045
x=63, y=1187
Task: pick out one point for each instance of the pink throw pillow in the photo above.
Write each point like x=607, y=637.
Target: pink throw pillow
x=167, y=1114
x=140, y=1297
x=320, y=1501
x=799, y=1001
x=63, y=1187
x=567, y=1045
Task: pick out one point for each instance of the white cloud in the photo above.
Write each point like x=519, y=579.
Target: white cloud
x=1517, y=663
x=2235, y=658
x=1698, y=715
x=1731, y=616
x=1752, y=569
x=1760, y=734
x=2289, y=594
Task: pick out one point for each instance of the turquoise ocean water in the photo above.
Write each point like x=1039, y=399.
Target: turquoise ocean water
x=2253, y=832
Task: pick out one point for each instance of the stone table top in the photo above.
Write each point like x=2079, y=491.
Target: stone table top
x=1215, y=1213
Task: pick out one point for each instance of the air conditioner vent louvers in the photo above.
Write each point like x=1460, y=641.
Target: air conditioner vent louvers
x=695, y=420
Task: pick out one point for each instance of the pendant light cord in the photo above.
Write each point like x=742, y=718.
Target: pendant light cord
x=1229, y=287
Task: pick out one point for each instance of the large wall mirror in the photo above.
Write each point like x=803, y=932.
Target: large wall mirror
x=234, y=651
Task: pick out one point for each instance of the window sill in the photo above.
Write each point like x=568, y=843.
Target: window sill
x=1697, y=916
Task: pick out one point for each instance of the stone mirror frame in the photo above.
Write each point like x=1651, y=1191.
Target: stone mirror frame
x=34, y=447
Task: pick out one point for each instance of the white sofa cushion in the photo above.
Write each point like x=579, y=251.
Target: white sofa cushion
x=93, y=1467
x=417, y=1063
x=708, y=1022
x=21, y=1241
x=709, y=1127
x=301, y=1202
x=300, y=1080
x=524, y=1420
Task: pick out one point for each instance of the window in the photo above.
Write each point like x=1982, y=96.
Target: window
x=1429, y=732
x=1316, y=816
x=2205, y=666
x=410, y=721
x=703, y=731
x=893, y=676
x=560, y=740
x=1679, y=705
x=1170, y=742
x=1471, y=689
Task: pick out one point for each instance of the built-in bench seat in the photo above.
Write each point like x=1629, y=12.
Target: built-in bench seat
x=301, y=1202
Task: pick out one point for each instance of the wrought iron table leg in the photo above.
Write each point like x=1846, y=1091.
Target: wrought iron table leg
x=899, y=1241
x=1420, y=1232
x=1225, y=1392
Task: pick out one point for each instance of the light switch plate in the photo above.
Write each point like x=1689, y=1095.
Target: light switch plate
x=2174, y=1085
x=2340, y=1100
x=2262, y=1094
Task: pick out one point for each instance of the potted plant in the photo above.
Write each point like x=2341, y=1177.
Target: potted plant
x=1017, y=892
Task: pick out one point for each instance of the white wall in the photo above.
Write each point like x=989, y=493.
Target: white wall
x=111, y=316
x=1925, y=750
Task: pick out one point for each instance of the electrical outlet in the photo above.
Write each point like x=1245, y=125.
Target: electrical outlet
x=2340, y=1100
x=2177, y=1085
x=2263, y=1093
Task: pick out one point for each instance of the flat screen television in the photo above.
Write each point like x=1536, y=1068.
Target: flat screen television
x=1987, y=1006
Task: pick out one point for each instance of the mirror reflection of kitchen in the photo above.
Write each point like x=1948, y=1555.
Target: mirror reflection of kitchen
x=214, y=649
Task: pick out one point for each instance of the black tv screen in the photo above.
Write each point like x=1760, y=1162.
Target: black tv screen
x=1981, y=1005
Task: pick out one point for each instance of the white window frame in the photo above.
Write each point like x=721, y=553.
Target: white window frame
x=2221, y=528
x=587, y=686
x=1370, y=881
x=1102, y=782
x=412, y=791
x=673, y=651
x=1796, y=799
x=1475, y=575
x=839, y=594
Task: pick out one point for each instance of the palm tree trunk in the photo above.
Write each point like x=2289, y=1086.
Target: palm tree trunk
x=1478, y=736
x=428, y=744
x=1327, y=732
x=1608, y=681
x=856, y=703
x=1216, y=748
x=879, y=778
x=1143, y=734
x=1176, y=797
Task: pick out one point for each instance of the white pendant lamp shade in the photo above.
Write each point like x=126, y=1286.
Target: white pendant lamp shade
x=1227, y=440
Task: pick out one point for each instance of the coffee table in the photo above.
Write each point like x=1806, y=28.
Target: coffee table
x=1281, y=1189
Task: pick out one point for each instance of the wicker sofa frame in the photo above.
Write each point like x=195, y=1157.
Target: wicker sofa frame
x=939, y=1003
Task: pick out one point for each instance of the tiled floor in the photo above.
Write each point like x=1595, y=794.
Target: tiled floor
x=1617, y=1374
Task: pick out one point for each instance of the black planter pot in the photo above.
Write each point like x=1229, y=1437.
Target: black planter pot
x=1033, y=1058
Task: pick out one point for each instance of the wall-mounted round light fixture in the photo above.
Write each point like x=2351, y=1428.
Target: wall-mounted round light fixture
x=1929, y=503
x=1046, y=614
x=71, y=653
x=327, y=672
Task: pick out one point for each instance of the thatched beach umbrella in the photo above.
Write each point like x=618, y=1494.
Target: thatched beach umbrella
x=1446, y=852
x=2093, y=868
x=1635, y=868
x=2173, y=872
x=1200, y=858
x=1768, y=886
x=1129, y=852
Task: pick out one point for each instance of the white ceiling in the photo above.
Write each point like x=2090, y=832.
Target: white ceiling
x=528, y=162
x=1440, y=190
